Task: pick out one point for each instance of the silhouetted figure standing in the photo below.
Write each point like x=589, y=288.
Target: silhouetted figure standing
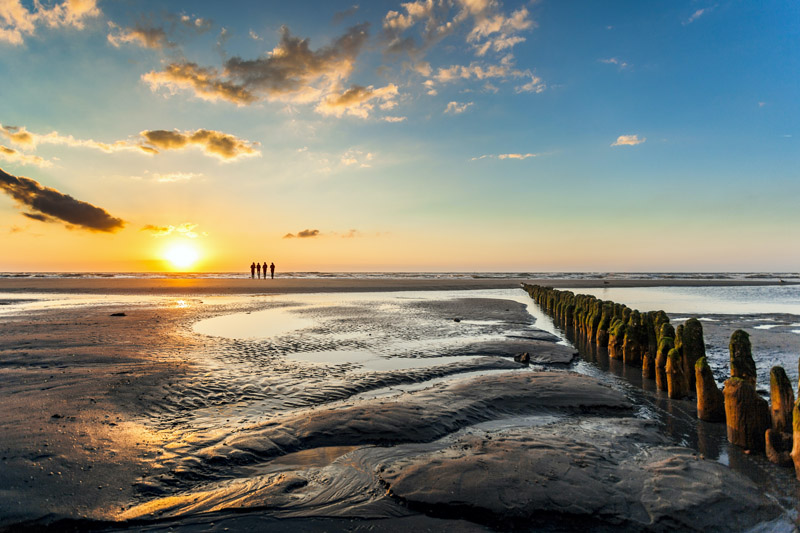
x=252, y=270
x=258, y=269
x=265, y=269
x=271, y=271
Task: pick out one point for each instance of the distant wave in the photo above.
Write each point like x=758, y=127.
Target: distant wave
x=794, y=276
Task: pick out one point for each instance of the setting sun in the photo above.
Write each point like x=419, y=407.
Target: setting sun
x=182, y=255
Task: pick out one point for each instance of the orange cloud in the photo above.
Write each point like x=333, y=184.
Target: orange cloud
x=17, y=21
x=215, y=143
x=356, y=101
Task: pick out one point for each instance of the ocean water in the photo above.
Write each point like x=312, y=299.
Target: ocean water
x=762, y=276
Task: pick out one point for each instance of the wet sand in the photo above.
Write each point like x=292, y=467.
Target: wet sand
x=139, y=421
x=186, y=287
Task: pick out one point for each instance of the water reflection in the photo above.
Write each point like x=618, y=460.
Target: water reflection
x=767, y=299
x=253, y=325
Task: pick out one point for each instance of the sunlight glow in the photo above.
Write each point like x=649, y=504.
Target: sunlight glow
x=182, y=255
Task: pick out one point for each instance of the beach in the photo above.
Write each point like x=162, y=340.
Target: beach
x=347, y=404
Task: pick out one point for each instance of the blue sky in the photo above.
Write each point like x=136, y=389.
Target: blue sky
x=428, y=135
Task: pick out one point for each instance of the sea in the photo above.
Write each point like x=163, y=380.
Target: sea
x=735, y=276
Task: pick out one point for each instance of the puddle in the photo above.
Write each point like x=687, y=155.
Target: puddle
x=372, y=362
x=254, y=325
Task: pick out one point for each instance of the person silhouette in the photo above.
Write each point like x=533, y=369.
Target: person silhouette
x=258, y=270
x=265, y=269
x=252, y=270
x=271, y=270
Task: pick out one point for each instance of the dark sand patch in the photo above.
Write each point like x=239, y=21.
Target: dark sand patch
x=419, y=417
x=597, y=474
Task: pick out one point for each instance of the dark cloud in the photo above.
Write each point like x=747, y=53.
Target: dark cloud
x=293, y=65
x=306, y=233
x=292, y=70
x=40, y=218
x=50, y=205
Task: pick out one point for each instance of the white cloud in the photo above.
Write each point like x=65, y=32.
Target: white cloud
x=502, y=71
x=457, y=108
x=357, y=157
x=394, y=119
x=172, y=177
x=628, y=140
x=615, y=61
x=697, y=14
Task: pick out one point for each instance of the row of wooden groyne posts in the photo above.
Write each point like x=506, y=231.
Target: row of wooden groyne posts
x=675, y=358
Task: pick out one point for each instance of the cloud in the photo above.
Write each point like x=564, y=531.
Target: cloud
x=357, y=157
x=697, y=14
x=535, y=85
x=255, y=36
x=499, y=31
x=146, y=37
x=356, y=101
x=13, y=156
x=305, y=234
x=175, y=176
x=196, y=24
x=457, y=108
x=504, y=70
x=615, y=61
x=49, y=205
x=205, y=82
x=339, y=16
x=628, y=140
x=185, y=230
x=17, y=21
x=351, y=234
x=393, y=119
x=29, y=140
x=292, y=71
x=434, y=20
x=505, y=156
x=213, y=143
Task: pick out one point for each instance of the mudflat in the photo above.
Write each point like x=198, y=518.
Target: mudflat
x=368, y=410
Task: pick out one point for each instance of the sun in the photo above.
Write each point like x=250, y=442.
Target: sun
x=182, y=255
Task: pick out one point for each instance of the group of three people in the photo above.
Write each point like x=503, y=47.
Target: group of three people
x=257, y=267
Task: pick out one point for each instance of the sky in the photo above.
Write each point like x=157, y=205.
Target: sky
x=433, y=135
